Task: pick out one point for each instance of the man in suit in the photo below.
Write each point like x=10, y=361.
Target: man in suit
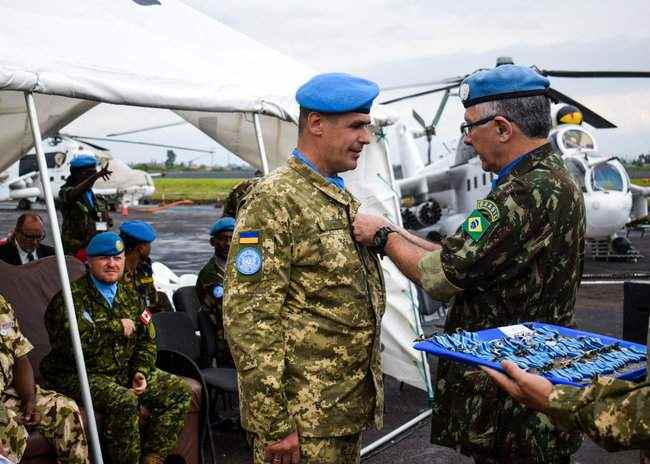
x=25, y=244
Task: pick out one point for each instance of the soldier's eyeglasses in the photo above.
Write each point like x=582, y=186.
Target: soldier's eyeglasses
x=466, y=127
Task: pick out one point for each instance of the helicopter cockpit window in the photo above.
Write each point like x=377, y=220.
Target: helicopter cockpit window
x=577, y=171
x=607, y=177
x=577, y=139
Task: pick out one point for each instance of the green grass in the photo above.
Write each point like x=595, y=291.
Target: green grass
x=642, y=182
x=197, y=190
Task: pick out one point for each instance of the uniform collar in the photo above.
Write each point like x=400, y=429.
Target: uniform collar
x=318, y=181
x=336, y=180
x=108, y=291
x=523, y=163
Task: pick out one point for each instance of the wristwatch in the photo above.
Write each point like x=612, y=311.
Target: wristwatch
x=380, y=239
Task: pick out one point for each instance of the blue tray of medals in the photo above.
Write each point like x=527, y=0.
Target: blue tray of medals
x=562, y=355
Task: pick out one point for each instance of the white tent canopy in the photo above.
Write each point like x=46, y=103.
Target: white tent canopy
x=70, y=55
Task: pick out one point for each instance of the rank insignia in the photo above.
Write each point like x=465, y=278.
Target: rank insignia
x=476, y=225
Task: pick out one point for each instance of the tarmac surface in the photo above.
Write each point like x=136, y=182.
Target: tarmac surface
x=182, y=244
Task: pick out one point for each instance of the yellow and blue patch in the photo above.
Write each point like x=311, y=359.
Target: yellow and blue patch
x=249, y=237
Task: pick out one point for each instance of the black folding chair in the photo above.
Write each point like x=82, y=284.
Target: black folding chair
x=185, y=300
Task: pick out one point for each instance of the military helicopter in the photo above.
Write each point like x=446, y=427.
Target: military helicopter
x=438, y=196
x=21, y=182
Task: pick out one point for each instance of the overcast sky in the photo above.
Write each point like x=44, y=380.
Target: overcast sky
x=402, y=41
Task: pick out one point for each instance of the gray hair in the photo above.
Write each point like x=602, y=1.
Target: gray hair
x=531, y=114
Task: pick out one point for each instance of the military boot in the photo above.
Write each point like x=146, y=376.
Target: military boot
x=153, y=458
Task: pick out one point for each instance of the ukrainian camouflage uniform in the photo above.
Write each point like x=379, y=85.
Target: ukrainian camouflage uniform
x=518, y=257
x=305, y=329
x=111, y=361
x=141, y=281
x=211, y=276
x=60, y=423
x=235, y=199
x=79, y=219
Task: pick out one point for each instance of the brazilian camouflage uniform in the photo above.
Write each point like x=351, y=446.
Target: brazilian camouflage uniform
x=305, y=330
x=111, y=361
x=235, y=198
x=79, y=219
x=141, y=280
x=60, y=423
x=211, y=276
x=518, y=257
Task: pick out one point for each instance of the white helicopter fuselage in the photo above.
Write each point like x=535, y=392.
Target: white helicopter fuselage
x=459, y=184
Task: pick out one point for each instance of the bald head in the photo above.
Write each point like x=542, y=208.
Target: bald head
x=29, y=232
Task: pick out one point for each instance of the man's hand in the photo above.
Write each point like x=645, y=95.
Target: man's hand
x=30, y=416
x=104, y=173
x=285, y=451
x=139, y=383
x=129, y=327
x=366, y=225
x=529, y=389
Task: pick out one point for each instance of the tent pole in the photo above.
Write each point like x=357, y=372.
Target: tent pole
x=260, y=143
x=416, y=316
x=65, y=281
x=402, y=428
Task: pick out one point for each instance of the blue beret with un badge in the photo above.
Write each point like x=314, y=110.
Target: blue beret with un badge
x=505, y=81
x=224, y=224
x=138, y=231
x=105, y=244
x=337, y=93
x=83, y=161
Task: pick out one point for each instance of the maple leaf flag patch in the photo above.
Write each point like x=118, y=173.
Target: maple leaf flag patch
x=145, y=317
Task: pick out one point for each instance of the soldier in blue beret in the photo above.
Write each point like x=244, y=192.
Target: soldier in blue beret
x=209, y=285
x=118, y=339
x=84, y=214
x=517, y=257
x=138, y=273
x=298, y=286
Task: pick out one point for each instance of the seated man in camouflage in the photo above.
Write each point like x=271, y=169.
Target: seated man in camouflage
x=118, y=341
x=137, y=237
x=209, y=285
x=24, y=404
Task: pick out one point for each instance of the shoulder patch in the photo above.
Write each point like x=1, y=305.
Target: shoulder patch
x=248, y=260
x=490, y=209
x=476, y=225
x=249, y=237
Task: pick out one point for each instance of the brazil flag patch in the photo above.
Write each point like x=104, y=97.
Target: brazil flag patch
x=476, y=225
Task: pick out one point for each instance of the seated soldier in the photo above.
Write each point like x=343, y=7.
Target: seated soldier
x=137, y=237
x=24, y=404
x=118, y=341
x=209, y=285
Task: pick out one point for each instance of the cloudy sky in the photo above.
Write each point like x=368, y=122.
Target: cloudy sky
x=404, y=41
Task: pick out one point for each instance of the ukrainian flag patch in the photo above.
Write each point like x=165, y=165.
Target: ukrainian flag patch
x=249, y=237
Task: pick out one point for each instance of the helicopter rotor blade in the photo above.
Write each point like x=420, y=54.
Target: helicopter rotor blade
x=161, y=145
x=590, y=117
x=594, y=74
x=441, y=107
x=419, y=119
x=419, y=94
x=146, y=129
x=449, y=80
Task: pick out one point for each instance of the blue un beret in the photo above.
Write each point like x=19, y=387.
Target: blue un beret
x=337, y=93
x=105, y=244
x=224, y=224
x=138, y=231
x=505, y=81
x=83, y=161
